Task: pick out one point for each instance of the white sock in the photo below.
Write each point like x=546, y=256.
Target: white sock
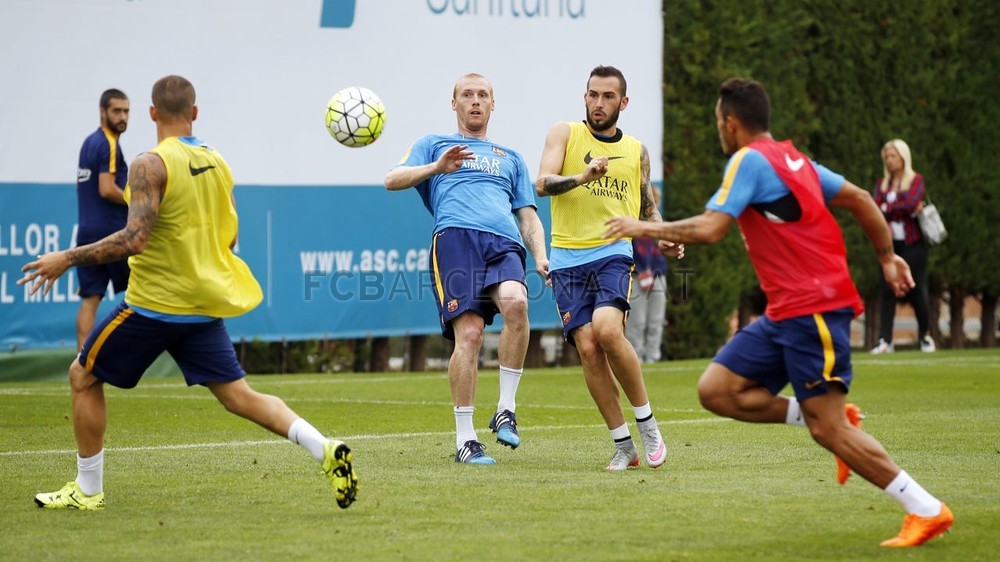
x=509, y=378
x=464, y=430
x=912, y=496
x=642, y=412
x=308, y=437
x=794, y=414
x=621, y=433
x=90, y=473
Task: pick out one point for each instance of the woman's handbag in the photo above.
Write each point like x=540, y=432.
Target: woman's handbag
x=931, y=224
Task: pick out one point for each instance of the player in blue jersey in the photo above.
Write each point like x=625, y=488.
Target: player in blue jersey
x=100, y=182
x=483, y=203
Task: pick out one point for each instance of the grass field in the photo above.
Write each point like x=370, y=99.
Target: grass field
x=186, y=481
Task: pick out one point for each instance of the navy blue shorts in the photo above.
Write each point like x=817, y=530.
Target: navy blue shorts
x=582, y=289
x=811, y=352
x=125, y=343
x=94, y=279
x=465, y=263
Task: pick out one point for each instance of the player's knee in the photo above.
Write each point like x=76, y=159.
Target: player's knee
x=233, y=396
x=712, y=397
x=248, y=403
x=515, y=307
x=587, y=346
x=607, y=333
x=80, y=379
x=469, y=334
x=711, y=401
x=823, y=432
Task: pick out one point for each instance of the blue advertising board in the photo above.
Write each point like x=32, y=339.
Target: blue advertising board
x=334, y=262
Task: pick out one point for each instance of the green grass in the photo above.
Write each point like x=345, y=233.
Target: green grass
x=187, y=481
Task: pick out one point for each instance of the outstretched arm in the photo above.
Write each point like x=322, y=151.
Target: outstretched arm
x=451, y=160
x=147, y=178
x=872, y=221
x=706, y=228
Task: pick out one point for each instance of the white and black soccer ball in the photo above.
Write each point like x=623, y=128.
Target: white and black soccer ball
x=355, y=116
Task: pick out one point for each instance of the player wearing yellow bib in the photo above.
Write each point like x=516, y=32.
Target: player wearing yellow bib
x=594, y=172
x=181, y=229
x=187, y=266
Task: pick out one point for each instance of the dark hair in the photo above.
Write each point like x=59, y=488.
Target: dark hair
x=112, y=94
x=605, y=72
x=173, y=95
x=747, y=100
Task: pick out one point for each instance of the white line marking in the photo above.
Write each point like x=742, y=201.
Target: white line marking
x=353, y=378
x=203, y=396
x=360, y=437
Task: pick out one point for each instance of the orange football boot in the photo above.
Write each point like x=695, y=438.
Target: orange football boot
x=854, y=416
x=918, y=530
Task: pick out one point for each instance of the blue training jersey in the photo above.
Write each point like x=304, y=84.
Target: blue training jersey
x=98, y=217
x=751, y=180
x=482, y=194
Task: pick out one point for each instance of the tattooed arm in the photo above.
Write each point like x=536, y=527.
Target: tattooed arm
x=147, y=179
x=549, y=181
x=648, y=208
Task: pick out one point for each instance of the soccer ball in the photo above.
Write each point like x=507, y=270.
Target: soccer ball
x=355, y=116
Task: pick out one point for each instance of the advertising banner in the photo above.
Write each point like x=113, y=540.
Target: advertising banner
x=318, y=229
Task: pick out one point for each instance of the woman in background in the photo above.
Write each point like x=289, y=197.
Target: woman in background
x=900, y=196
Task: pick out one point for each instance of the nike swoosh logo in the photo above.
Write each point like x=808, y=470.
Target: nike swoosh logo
x=813, y=384
x=587, y=158
x=659, y=453
x=196, y=171
x=794, y=165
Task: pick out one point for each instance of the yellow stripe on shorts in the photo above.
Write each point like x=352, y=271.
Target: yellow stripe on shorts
x=829, y=358
x=105, y=333
x=437, y=273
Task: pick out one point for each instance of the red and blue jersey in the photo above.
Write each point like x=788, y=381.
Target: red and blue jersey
x=794, y=243
x=98, y=217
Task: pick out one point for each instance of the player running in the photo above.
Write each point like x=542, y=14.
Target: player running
x=182, y=226
x=780, y=198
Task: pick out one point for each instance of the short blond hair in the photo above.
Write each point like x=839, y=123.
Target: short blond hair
x=908, y=174
x=473, y=76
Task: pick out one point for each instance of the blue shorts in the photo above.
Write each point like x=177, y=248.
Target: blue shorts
x=94, y=279
x=120, y=349
x=582, y=289
x=465, y=263
x=811, y=352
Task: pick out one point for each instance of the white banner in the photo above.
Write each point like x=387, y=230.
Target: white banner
x=264, y=70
